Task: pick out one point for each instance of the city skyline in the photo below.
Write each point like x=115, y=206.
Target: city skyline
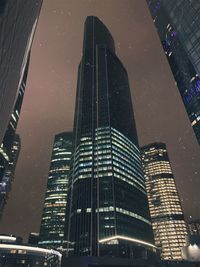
x=142, y=81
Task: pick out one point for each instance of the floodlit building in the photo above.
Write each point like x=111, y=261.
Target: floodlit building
x=165, y=207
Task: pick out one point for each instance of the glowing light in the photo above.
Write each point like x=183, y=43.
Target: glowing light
x=104, y=240
x=11, y=238
x=34, y=249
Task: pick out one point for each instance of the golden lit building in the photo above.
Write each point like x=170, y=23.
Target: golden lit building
x=164, y=204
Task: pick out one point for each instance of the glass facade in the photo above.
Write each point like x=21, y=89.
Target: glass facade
x=10, y=143
x=184, y=16
x=176, y=35
x=165, y=208
x=18, y=21
x=53, y=218
x=107, y=211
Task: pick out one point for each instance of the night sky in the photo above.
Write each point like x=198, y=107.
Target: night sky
x=48, y=106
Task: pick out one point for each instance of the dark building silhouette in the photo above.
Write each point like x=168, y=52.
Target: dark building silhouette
x=107, y=212
x=53, y=218
x=178, y=26
x=165, y=207
x=18, y=21
x=10, y=146
x=33, y=239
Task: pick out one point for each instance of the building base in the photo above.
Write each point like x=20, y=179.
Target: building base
x=106, y=262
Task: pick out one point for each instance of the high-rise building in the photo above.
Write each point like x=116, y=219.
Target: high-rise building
x=180, y=40
x=8, y=157
x=18, y=21
x=165, y=208
x=9, y=173
x=107, y=212
x=53, y=218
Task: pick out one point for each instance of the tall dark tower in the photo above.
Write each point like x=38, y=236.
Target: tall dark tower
x=108, y=210
x=178, y=27
x=18, y=20
x=8, y=153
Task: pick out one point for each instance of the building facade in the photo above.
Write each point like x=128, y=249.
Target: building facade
x=107, y=210
x=10, y=145
x=165, y=208
x=18, y=21
x=9, y=172
x=184, y=16
x=16, y=254
x=53, y=218
x=177, y=35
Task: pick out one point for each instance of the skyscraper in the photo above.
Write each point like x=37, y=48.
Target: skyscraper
x=53, y=218
x=8, y=157
x=18, y=21
x=165, y=208
x=180, y=40
x=107, y=210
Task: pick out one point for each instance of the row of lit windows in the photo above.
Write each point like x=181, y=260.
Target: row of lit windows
x=129, y=176
x=118, y=134
x=120, y=210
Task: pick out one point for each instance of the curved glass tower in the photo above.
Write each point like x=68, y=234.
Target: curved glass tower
x=53, y=218
x=108, y=210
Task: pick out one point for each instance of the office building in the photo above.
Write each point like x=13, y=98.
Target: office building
x=18, y=21
x=16, y=254
x=178, y=26
x=53, y=218
x=107, y=212
x=11, y=143
x=9, y=171
x=165, y=208
x=8, y=139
